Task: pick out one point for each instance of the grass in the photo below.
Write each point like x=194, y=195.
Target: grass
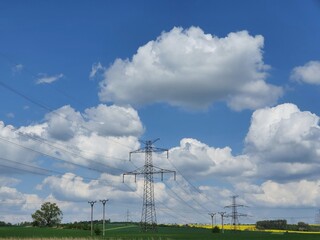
x=132, y=232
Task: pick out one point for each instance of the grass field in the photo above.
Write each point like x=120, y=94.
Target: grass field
x=132, y=232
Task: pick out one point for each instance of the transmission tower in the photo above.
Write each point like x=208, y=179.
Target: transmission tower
x=234, y=212
x=148, y=216
x=317, y=217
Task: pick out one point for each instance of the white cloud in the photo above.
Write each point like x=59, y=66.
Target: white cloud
x=44, y=79
x=17, y=68
x=71, y=187
x=293, y=194
x=191, y=69
x=114, y=121
x=11, y=153
x=96, y=69
x=284, y=142
x=74, y=137
x=8, y=181
x=104, y=120
x=308, y=73
x=12, y=199
x=197, y=159
x=280, y=163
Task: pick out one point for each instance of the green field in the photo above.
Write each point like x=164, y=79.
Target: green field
x=132, y=232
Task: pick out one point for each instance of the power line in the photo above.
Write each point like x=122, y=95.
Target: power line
x=49, y=109
x=60, y=159
x=194, y=187
x=169, y=211
x=184, y=202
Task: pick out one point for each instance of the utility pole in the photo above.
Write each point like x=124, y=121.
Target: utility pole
x=234, y=214
x=148, y=216
x=92, y=203
x=104, y=201
x=222, y=216
x=212, y=215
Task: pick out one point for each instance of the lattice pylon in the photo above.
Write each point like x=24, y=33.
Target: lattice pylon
x=148, y=216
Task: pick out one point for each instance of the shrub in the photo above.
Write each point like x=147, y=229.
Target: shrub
x=216, y=229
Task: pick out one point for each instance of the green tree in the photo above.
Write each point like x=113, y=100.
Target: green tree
x=48, y=215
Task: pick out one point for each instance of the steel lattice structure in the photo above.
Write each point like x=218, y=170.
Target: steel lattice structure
x=234, y=212
x=148, y=216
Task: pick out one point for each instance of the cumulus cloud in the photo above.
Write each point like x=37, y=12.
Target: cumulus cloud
x=71, y=187
x=284, y=142
x=114, y=120
x=197, y=159
x=45, y=79
x=308, y=73
x=292, y=194
x=191, y=69
x=10, y=149
x=100, y=137
x=12, y=199
x=104, y=120
x=279, y=165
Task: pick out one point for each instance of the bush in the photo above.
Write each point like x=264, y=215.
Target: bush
x=97, y=231
x=216, y=229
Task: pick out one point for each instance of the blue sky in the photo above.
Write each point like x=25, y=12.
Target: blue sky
x=230, y=88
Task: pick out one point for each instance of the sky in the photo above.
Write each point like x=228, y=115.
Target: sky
x=230, y=87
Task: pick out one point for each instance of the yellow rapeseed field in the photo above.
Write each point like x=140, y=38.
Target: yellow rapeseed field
x=249, y=227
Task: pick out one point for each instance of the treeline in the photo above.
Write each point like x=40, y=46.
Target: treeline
x=84, y=225
x=282, y=225
x=272, y=224
x=4, y=224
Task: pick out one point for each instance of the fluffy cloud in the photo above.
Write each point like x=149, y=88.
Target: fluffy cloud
x=308, y=73
x=100, y=138
x=284, y=142
x=278, y=167
x=104, y=120
x=11, y=152
x=12, y=199
x=191, y=69
x=70, y=187
x=114, y=121
x=197, y=159
x=292, y=194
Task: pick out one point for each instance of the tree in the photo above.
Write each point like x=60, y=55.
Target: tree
x=48, y=215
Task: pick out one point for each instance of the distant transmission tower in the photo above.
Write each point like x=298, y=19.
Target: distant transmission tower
x=317, y=217
x=234, y=212
x=148, y=216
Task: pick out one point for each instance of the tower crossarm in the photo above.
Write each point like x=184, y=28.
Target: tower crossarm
x=155, y=170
